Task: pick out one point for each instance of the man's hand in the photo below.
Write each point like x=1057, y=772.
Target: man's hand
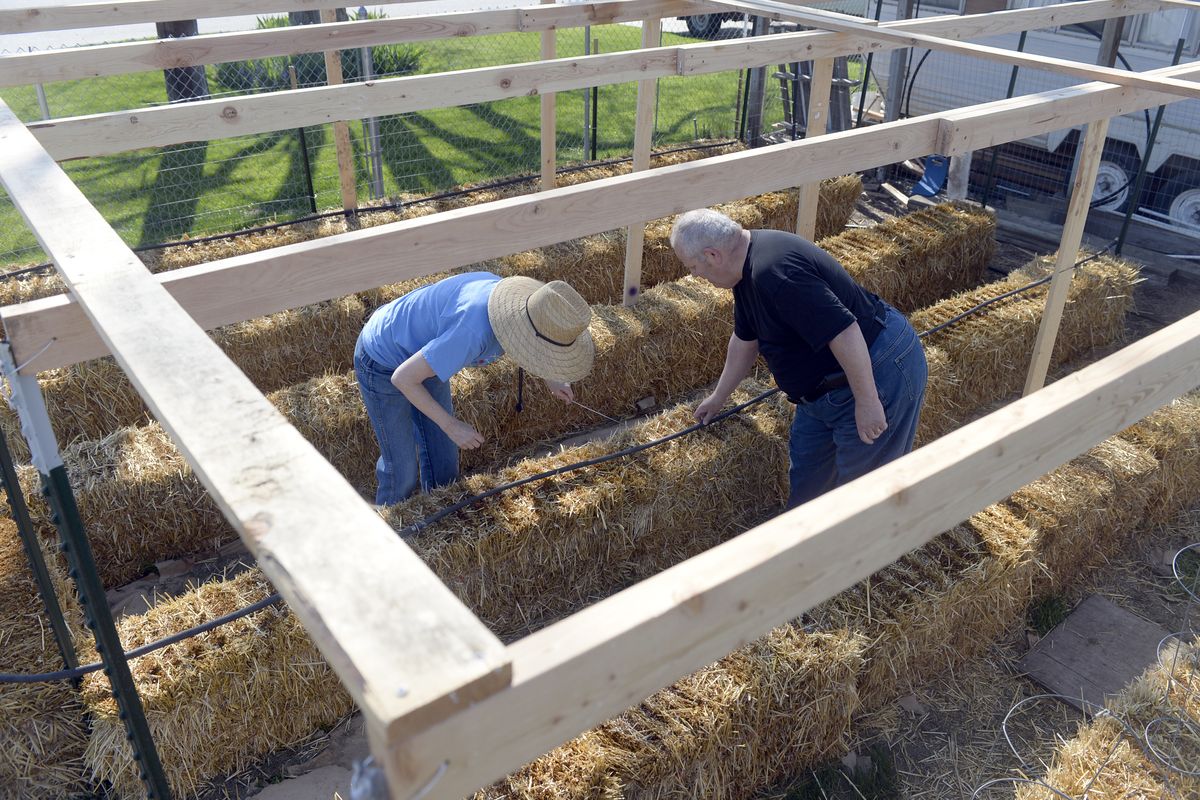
x=464, y=435
x=709, y=408
x=869, y=416
x=561, y=390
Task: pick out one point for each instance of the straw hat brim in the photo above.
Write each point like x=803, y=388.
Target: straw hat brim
x=514, y=331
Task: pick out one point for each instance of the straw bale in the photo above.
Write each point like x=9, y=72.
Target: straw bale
x=928, y=253
x=1103, y=760
x=216, y=702
x=939, y=606
x=1086, y=509
x=547, y=548
x=1172, y=434
x=743, y=723
x=42, y=726
x=989, y=352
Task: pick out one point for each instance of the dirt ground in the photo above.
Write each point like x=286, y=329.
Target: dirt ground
x=947, y=739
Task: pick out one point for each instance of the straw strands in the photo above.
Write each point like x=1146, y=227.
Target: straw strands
x=91, y=399
x=1103, y=759
x=42, y=726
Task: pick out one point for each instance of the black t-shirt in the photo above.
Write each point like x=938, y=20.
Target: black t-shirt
x=794, y=298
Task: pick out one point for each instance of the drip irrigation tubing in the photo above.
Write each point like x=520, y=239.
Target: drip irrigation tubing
x=500, y=184
x=437, y=516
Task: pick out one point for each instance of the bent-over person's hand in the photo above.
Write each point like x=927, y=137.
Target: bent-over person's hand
x=869, y=416
x=561, y=390
x=464, y=435
x=709, y=408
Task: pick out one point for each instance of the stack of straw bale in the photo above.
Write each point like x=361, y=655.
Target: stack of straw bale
x=543, y=550
x=90, y=399
x=665, y=346
x=985, y=358
x=43, y=730
x=1107, y=759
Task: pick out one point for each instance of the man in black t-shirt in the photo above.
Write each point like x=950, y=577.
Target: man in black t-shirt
x=851, y=363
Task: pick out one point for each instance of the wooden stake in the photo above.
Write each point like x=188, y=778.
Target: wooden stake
x=341, y=131
x=642, y=135
x=816, y=125
x=1068, y=249
x=549, y=114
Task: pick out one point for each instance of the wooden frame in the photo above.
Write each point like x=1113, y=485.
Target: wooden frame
x=432, y=682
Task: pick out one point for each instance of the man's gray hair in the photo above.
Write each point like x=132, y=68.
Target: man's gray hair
x=696, y=230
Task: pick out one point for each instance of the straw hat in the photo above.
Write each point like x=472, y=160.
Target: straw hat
x=543, y=327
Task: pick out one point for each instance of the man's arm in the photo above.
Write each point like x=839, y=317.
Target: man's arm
x=739, y=358
x=409, y=378
x=850, y=349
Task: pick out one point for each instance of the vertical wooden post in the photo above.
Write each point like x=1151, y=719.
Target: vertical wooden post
x=959, y=180
x=815, y=125
x=643, y=133
x=341, y=132
x=1068, y=248
x=549, y=115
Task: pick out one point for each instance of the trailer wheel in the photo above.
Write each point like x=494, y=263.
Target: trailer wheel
x=1184, y=199
x=704, y=26
x=1114, y=180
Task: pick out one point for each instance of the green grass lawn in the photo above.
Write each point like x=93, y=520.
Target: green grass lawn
x=159, y=195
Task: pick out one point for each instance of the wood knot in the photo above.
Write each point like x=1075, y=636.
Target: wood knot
x=505, y=83
x=229, y=112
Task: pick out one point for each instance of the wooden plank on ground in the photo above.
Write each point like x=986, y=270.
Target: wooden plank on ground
x=400, y=641
x=643, y=133
x=1098, y=650
x=583, y=670
x=1068, y=249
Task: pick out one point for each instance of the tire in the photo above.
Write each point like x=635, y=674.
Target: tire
x=704, y=26
x=1115, y=178
x=1182, y=204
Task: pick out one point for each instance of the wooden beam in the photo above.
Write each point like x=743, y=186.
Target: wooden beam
x=579, y=672
x=816, y=123
x=643, y=133
x=295, y=275
x=247, y=286
x=739, y=53
x=549, y=115
x=1068, y=249
x=341, y=132
x=105, y=134
x=839, y=22
x=20, y=69
x=399, y=640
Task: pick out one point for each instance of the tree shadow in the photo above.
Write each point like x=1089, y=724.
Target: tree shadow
x=413, y=166
x=175, y=193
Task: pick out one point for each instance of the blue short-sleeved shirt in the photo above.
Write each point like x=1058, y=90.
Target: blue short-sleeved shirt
x=447, y=322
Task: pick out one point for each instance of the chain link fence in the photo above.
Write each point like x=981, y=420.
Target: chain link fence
x=164, y=194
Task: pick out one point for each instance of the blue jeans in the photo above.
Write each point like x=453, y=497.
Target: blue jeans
x=410, y=444
x=825, y=450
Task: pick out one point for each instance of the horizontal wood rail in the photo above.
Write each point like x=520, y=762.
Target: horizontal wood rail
x=21, y=69
x=404, y=646
x=247, y=286
x=105, y=134
x=579, y=672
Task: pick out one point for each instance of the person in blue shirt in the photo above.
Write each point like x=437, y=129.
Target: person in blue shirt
x=411, y=346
